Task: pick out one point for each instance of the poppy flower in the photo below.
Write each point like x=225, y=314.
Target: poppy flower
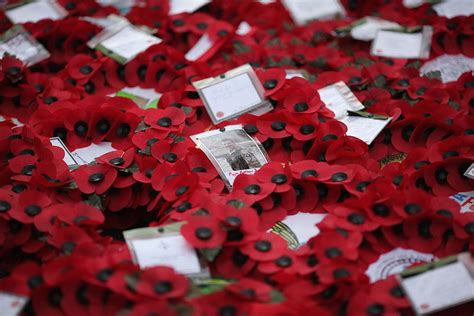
x=248, y=185
x=365, y=304
x=266, y=247
x=275, y=173
x=158, y=307
x=30, y=205
x=223, y=303
x=232, y=263
x=82, y=67
x=203, y=232
x=162, y=283
x=167, y=119
x=250, y=289
x=272, y=79
x=95, y=178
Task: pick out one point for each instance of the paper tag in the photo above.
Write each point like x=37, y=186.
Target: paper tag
x=451, y=67
x=395, y=44
x=470, y=172
x=453, y=8
x=36, y=11
x=129, y=42
x=303, y=11
x=232, y=152
x=299, y=228
x=465, y=199
x=440, y=288
x=231, y=94
x=172, y=251
x=144, y=98
x=367, y=30
x=68, y=157
x=366, y=129
x=200, y=48
x=88, y=154
x=18, y=42
x=339, y=98
x=394, y=262
x=186, y=6
x=11, y=304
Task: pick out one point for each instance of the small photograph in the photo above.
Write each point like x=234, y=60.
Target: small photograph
x=232, y=151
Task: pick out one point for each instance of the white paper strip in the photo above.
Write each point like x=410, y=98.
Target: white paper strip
x=68, y=157
x=339, y=98
x=303, y=225
x=186, y=6
x=367, y=30
x=200, y=48
x=394, y=262
x=366, y=129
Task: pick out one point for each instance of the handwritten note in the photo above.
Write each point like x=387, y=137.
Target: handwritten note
x=339, y=99
x=172, y=251
x=232, y=96
x=394, y=262
x=440, y=288
x=11, y=304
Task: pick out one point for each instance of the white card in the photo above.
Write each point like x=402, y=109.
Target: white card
x=453, y=8
x=465, y=199
x=394, y=44
x=366, y=129
x=129, y=42
x=88, y=154
x=11, y=304
x=440, y=288
x=106, y=22
x=186, y=6
x=230, y=95
x=451, y=67
x=19, y=46
x=68, y=157
x=303, y=225
x=172, y=251
x=413, y=3
x=367, y=30
x=339, y=98
x=470, y=172
x=303, y=11
x=200, y=48
x=35, y=11
x=394, y=262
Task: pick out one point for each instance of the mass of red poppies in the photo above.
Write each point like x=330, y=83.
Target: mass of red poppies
x=61, y=242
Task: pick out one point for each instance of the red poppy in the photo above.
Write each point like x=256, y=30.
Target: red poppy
x=30, y=205
x=266, y=247
x=95, y=178
x=250, y=289
x=203, y=232
x=162, y=283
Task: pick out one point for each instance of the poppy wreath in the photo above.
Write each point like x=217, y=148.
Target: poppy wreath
x=61, y=230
